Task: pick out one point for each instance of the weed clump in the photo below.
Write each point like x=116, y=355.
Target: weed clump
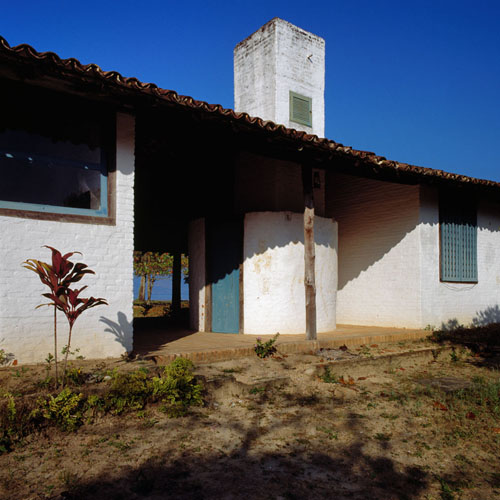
x=329, y=377
x=265, y=349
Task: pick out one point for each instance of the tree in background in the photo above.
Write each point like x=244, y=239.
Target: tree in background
x=150, y=265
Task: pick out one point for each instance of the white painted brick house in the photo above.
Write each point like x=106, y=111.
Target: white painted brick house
x=93, y=162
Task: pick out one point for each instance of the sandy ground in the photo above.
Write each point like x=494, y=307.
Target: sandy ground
x=275, y=429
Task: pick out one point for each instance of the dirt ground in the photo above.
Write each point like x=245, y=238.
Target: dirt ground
x=395, y=421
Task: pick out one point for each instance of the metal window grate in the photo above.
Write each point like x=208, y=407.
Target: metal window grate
x=458, y=238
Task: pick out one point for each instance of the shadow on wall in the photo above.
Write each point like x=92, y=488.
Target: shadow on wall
x=489, y=315
x=375, y=216
x=122, y=330
x=243, y=471
x=485, y=317
x=225, y=240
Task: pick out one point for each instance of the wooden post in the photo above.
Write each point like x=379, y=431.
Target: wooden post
x=309, y=253
x=176, y=284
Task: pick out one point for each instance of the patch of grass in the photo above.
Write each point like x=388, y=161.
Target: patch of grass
x=20, y=373
x=232, y=370
x=380, y=436
x=389, y=416
x=257, y=390
x=447, y=490
x=422, y=444
x=330, y=433
x=401, y=398
x=302, y=441
x=494, y=479
x=463, y=459
x=68, y=480
x=121, y=445
x=328, y=377
x=366, y=352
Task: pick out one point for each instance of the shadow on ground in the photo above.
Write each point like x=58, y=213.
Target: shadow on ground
x=482, y=340
x=302, y=468
x=296, y=475
x=150, y=334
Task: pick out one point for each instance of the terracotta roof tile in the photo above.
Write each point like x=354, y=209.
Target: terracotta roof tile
x=74, y=68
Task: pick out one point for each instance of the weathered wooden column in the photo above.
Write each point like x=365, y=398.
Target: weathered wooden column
x=176, y=284
x=309, y=253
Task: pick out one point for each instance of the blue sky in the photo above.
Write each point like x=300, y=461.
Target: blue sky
x=417, y=82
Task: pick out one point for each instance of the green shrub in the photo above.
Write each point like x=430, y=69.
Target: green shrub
x=75, y=376
x=129, y=391
x=8, y=429
x=177, y=387
x=64, y=410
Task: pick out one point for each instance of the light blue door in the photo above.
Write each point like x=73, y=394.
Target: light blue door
x=224, y=257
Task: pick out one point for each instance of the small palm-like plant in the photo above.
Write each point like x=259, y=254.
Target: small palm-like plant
x=59, y=276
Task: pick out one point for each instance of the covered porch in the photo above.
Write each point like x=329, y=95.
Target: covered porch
x=243, y=208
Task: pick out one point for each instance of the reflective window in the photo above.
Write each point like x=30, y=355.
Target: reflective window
x=53, y=157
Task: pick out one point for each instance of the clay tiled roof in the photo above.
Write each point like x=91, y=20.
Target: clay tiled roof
x=72, y=68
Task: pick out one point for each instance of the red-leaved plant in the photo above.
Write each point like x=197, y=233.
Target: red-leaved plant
x=59, y=277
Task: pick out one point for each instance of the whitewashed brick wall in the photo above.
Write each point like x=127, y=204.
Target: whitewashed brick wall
x=273, y=273
x=389, y=259
x=445, y=304
x=104, y=331
x=379, y=251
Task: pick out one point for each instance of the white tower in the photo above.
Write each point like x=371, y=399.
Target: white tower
x=279, y=75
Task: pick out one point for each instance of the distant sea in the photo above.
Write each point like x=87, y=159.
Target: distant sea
x=162, y=289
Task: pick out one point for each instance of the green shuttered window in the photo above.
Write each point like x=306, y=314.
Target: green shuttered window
x=458, y=239
x=300, y=109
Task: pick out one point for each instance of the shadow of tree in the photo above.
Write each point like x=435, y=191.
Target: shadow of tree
x=487, y=316
x=122, y=330
x=451, y=325
x=258, y=467
x=484, y=329
x=483, y=336
x=296, y=474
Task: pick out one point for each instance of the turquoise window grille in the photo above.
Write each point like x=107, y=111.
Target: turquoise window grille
x=458, y=239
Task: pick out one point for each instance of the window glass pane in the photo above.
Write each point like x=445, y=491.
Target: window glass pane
x=46, y=181
x=52, y=152
x=12, y=141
